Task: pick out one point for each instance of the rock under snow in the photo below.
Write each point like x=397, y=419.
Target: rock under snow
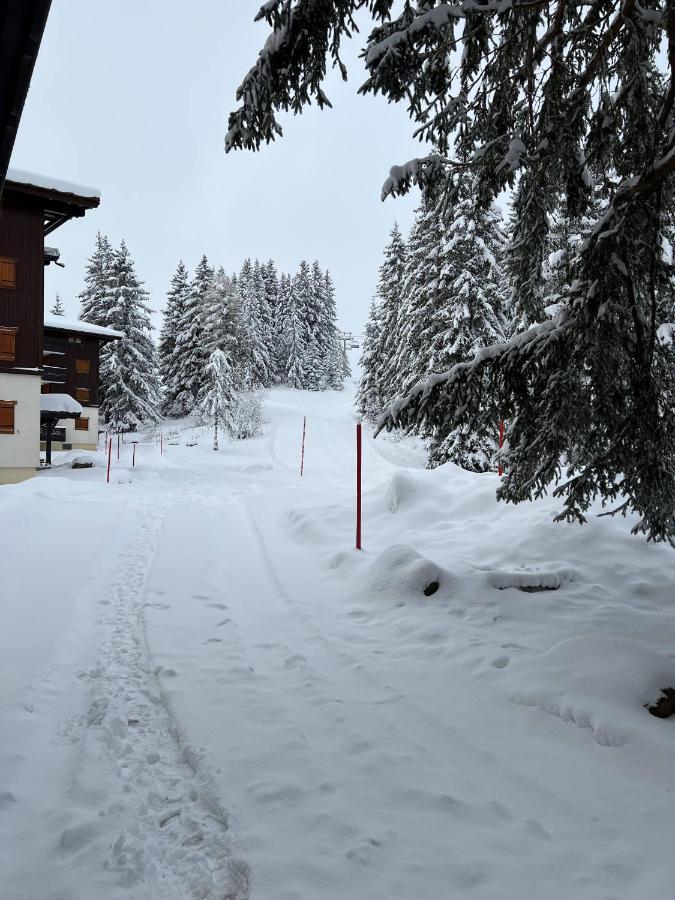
x=595, y=682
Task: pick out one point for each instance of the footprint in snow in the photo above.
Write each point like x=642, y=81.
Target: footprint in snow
x=501, y=662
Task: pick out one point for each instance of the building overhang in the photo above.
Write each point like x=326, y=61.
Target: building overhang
x=59, y=200
x=22, y=24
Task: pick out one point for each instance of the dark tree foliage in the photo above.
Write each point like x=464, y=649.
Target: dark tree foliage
x=552, y=98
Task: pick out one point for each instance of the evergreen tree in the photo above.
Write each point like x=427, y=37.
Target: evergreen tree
x=467, y=316
x=128, y=371
x=224, y=327
x=423, y=293
x=217, y=393
x=272, y=287
x=535, y=92
x=95, y=299
x=256, y=315
x=190, y=352
x=176, y=300
x=306, y=311
x=295, y=331
x=337, y=367
x=379, y=381
x=283, y=324
x=57, y=309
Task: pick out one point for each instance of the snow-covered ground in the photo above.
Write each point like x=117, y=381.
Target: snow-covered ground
x=206, y=692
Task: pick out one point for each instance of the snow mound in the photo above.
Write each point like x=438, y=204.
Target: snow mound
x=596, y=682
x=530, y=580
x=403, y=492
x=67, y=458
x=402, y=573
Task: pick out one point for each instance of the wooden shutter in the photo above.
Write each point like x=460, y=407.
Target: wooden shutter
x=82, y=395
x=8, y=344
x=7, y=416
x=7, y=272
x=81, y=424
x=82, y=366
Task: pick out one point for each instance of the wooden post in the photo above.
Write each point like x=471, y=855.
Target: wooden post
x=302, y=454
x=161, y=444
x=118, y=446
x=133, y=457
x=109, y=458
x=49, y=425
x=500, y=470
x=358, y=485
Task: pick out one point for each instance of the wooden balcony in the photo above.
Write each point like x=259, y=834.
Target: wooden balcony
x=54, y=374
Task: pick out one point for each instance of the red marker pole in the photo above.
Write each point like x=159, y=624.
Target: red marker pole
x=500, y=470
x=302, y=454
x=109, y=458
x=358, y=485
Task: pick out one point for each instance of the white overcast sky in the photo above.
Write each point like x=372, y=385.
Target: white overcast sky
x=132, y=97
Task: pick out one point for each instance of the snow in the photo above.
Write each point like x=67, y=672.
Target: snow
x=19, y=176
x=59, y=403
x=77, y=325
x=220, y=697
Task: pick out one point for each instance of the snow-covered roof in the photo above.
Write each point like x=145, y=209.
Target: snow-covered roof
x=19, y=176
x=76, y=325
x=59, y=403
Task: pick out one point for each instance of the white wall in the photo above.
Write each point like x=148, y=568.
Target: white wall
x=89, y=437
x=22, y=449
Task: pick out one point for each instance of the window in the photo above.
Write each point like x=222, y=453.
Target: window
x=8, y=344
x=82, y=395
x=7, y=416
x=46, y=387
x=7, y=272
x=81, y=424
x=82, y=366
x=74, y=340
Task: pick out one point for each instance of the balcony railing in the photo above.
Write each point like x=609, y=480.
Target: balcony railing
x=54, y=374
x=58, y=434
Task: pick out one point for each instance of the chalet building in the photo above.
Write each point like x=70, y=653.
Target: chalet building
x=70, y=352
x=31, y=207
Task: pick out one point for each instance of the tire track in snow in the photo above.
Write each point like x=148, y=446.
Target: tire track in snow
x=172, y=831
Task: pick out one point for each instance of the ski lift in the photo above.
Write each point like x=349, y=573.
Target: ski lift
x=354, y=346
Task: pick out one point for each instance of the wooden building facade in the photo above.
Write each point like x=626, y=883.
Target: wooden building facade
x=31, y=207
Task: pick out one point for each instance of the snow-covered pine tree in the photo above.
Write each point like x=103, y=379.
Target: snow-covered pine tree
x=95, y=298
x=256, y=316
x=422, y=295
x=190, y=351
x=378, y=381
x=283, y=320
x=176, y=299
x=128, y=371
x=224, y=327
x=369, y=400
x=295, y=332
x=57, y=309
x=217, y=393
x=467, y=315
x=549, y=86
x=306, y=301
x=271, y=280
x=338, y=368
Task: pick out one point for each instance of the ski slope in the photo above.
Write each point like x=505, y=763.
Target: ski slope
x=206, y=692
